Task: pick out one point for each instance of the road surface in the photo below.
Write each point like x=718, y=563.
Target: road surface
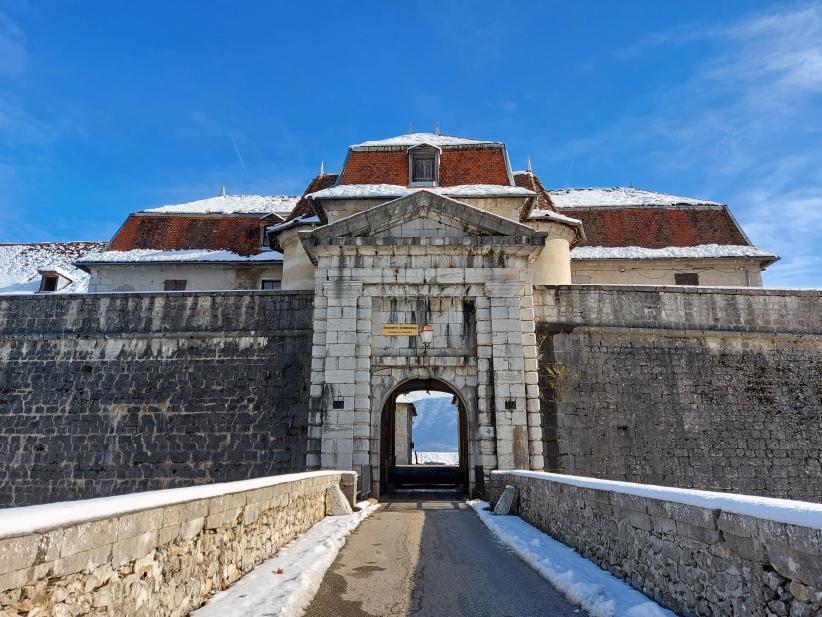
x=431, y=559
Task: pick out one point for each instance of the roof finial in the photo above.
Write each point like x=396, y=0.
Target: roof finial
x=222, y=190
x=437, y=128
x=410, y=129
x=322, y=168
x=530, y=169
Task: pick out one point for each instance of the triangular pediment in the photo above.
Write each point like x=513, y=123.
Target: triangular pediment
x=423, y=214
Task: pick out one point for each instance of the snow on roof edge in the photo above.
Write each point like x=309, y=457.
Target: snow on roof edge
x=789, y=511
x=700, y=251
x=179, y=256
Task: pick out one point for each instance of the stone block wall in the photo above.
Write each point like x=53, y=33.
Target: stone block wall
x=695, y=560
x=159, y=554
x=103, y=394
x=700, y=388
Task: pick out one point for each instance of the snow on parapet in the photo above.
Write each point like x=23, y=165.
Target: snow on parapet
x=702, y=251
x=232, y=204
x=549, y=215
x=184, y=256
x=620, y=197
x=368, y=191
x=789, y=511
x=30, y=519
x=418, y=139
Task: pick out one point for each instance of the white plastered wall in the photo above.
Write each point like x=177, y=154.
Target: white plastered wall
x=200, y=276
x=712, y=272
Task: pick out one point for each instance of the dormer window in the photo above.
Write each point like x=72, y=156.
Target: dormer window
x=423, y=166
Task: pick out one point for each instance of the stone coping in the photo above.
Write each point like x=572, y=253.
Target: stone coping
x=684, y=289
x=45, y=517
x=789, y=511
x=155, y=294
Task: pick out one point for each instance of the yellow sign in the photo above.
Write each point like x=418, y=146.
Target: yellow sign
x=400, y=329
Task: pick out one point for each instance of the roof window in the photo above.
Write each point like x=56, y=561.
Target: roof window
x=423, y=166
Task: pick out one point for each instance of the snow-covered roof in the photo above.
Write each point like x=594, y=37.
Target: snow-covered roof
x=232, y=204
x=702, y=251
x=367, y=191
x=549, y=215
x=418, y=139
x=20, y=265
x=300, y=220
x=620, y=197
x=181, y=256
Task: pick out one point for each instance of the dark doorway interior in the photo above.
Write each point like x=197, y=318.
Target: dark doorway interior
x=425, y=454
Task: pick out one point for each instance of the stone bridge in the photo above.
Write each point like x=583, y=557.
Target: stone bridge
x=169, y=552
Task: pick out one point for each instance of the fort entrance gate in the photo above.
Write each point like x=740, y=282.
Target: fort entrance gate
x=424, y=262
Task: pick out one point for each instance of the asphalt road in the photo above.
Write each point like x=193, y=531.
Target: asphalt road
x=432, y=559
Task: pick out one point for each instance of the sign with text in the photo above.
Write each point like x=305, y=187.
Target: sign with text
x=400, y=329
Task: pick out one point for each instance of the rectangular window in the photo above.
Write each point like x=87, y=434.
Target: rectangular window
x=686, y=278
x=270, y=284
x=423, y=169
x=49, y=283
x=174, y=285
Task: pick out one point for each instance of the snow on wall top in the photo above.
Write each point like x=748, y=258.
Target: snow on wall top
x=183, y=256
x=789, y=511
x=232, y=204
x=418, y=139
x=364, y=191
x=20, y=263
x=620, y=197
x=700, y=251
x=30, y=519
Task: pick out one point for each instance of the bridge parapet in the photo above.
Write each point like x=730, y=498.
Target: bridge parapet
x=153, y=553
x=696, y=552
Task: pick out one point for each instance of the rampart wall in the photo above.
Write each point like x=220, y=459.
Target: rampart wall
x=715, y=388
x=103, y=394
x=695, y=552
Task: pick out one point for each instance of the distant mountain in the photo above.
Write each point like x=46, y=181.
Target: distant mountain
x=435, y=427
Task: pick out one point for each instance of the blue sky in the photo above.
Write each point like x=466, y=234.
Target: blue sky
x=110, y=107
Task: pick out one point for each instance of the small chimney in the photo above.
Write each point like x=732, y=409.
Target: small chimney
x=222, y=190
x=530, y=169
x=322, y=168
x=410, y=129
x=437, y=128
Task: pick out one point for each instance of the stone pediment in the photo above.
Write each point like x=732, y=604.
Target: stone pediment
x=423, y=214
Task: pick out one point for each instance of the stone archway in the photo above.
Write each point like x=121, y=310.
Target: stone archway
x=383, y=453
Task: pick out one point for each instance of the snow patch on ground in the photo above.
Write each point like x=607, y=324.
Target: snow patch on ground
x=232, y=204
x=670, y=252
x=29, y=519
x=579, y=579
x=790, y=511
x=302, y=563
x=185, y=255
x=621, y=197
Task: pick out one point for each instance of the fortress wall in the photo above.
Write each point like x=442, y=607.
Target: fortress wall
x=692, y=387
x=694, y=552
x=103, y=394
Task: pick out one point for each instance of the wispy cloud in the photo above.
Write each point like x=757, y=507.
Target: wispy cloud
x=12, y=48
x=749, y=118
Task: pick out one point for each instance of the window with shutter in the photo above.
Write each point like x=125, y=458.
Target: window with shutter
x=174, y=285
x=422, y=166
x=686, y=278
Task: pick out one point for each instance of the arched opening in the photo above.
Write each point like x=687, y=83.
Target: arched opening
x=423, y=439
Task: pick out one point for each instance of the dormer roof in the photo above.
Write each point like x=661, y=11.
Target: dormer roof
x=429, y=139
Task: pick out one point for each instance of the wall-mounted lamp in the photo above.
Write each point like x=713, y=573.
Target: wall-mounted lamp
x=427, y=336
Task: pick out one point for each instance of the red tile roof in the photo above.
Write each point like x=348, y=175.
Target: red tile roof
x=469, y=165
x=303, y=207
x=658, y=227
x=240, y=234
